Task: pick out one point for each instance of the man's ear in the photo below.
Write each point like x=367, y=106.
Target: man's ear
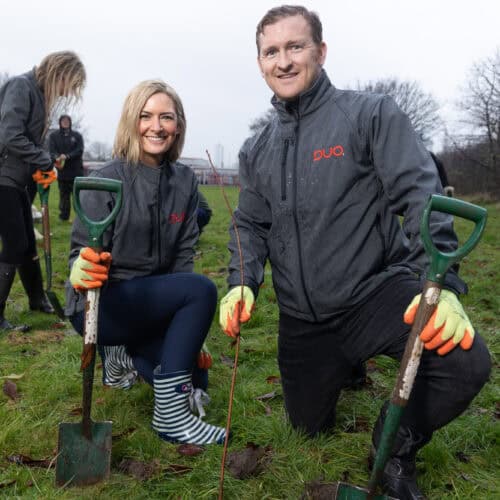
x=322, y=50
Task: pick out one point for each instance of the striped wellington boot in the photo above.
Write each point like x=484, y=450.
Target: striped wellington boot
x=173, y=420
x=118, y=370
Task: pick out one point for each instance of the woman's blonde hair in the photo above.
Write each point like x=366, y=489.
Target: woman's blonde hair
x=60, y=74
x=127, y=144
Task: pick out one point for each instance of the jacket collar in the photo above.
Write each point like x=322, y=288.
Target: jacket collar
x=154, y=173
x=307, y=102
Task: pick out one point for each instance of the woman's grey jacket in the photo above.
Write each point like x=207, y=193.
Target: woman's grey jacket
x=22, y=124
x=154, y=232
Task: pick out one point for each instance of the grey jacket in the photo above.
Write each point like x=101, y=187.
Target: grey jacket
x=22, y=122
x=155, y=230
x=322, y=186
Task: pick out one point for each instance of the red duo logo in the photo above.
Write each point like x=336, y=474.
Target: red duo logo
x=176, y=218
x=320, y=154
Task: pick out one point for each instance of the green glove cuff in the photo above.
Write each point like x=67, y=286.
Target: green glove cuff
x=229, y=301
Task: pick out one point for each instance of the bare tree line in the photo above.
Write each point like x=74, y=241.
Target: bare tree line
x=471, y=155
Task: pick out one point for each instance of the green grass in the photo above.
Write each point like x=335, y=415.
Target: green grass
x=50, y=387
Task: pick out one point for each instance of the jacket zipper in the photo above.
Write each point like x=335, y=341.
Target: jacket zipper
x=284, y=154
x=296, y=221
x=159, y=221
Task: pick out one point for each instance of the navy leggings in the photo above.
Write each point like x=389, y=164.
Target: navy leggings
x=161, y=319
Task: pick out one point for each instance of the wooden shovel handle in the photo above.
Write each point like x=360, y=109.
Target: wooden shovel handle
x=88, y=357
x=414, y=346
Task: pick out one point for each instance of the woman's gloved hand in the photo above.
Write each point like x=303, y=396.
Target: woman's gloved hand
x=204, y=360
x=447, y=327
x=45, y=178
x=60, y=161
x=90, y=269
x=229, y=307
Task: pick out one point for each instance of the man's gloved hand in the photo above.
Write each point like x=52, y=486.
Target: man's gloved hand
x=90, y=269
x=447, y=327
x=204, y=360
x=229, y=307
x=45, y=178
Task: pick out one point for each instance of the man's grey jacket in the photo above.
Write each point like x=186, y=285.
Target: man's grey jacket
x=322, y=188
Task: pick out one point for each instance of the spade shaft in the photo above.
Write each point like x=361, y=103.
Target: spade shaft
x=440, y=262
x=85, y=448
x=44, y=201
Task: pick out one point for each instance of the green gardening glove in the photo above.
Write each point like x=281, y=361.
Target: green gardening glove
x=447, y=327
x=90, y=269
x=232, y=312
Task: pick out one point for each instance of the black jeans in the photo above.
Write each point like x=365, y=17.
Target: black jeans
x=316, y=358
x=16, y=226
x=65, y=190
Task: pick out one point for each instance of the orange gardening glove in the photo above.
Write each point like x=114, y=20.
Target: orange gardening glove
x=45, y=178
x=447, y=327
x=229, y=307
x=90, y=269
x=204, y=360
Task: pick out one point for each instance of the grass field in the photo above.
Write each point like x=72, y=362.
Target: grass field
x=462, y=461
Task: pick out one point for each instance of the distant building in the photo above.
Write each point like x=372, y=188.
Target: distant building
x=204, y=172
x=219, y=156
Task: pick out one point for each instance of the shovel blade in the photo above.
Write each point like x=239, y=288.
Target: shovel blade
x=54, y=301
x=349, y=492
x=80, y=461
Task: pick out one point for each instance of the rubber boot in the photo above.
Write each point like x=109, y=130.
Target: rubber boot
x=118, y=369
x=31, y=278
x=400, y=474
x=7, y=273
x=173, y=419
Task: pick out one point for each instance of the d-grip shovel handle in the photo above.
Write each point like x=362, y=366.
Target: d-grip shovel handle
x=441, y=261
x=97, y=228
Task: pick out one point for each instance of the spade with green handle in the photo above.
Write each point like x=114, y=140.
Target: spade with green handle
x=440, y=262
x=44, y=201
x=84, y=448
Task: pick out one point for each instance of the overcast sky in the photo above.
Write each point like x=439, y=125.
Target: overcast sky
x=206, y=51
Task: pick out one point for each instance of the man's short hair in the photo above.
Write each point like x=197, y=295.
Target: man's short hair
x=275, y=14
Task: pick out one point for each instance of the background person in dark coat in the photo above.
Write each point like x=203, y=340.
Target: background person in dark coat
x=447, y=189
x=66, y=150
x=26, y=102
x=204, y=213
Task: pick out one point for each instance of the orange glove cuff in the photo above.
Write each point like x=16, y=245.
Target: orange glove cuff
x=43, y=178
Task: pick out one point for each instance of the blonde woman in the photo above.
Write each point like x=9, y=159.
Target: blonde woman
x=154, y=312
x=26, y=104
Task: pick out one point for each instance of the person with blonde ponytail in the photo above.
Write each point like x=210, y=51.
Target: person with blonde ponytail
x=26, y=105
